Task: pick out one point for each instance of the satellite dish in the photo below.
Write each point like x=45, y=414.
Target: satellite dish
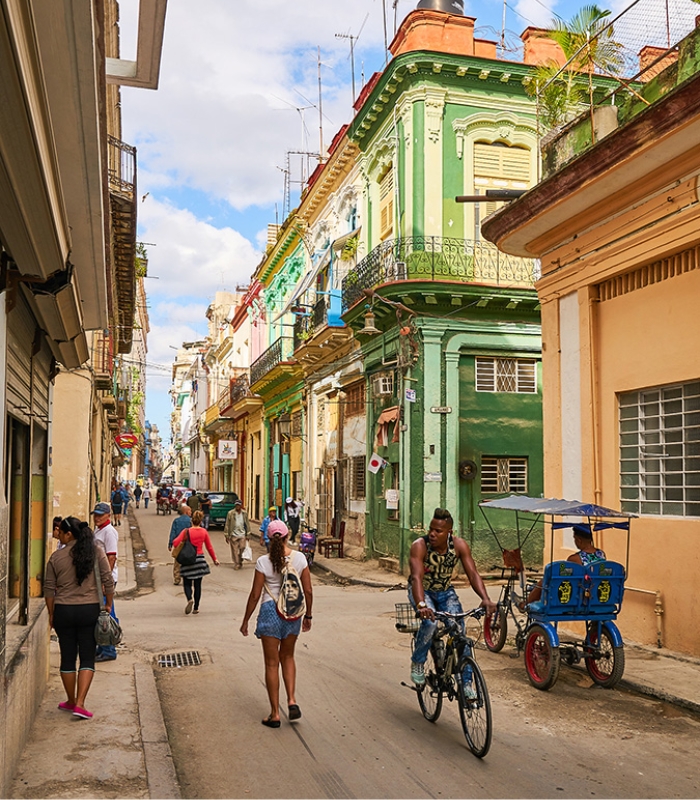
x=448, y=6
x=467, y=469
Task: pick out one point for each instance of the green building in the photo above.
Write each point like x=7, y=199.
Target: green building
x=453, y=378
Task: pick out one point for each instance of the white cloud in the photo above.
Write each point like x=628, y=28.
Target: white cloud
x=191, y=258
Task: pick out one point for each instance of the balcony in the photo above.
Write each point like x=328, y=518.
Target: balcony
x=122, y=194
x=282, y=350
x=102, y=359
x=433, y=258
x=239, y=389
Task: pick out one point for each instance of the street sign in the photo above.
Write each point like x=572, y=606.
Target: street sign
x=435, y=477
x=441, y=409
x=411, y=395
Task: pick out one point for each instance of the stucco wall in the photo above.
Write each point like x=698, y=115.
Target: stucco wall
x=645, y=350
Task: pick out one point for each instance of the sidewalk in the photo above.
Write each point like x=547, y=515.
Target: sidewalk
x=124, y=750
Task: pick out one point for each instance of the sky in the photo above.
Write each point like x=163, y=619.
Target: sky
x=238, y=89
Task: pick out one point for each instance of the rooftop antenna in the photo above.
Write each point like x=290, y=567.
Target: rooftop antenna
x=321, y=148
x=352, y=39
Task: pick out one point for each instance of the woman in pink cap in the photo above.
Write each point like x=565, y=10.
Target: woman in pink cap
x=278, y=635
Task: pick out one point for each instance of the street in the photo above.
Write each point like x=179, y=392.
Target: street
x=362, y=734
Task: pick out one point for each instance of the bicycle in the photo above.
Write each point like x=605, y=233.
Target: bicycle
x=448, y=669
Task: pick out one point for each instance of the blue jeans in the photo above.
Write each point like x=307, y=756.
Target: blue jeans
x=438, y=601
x=107, y=650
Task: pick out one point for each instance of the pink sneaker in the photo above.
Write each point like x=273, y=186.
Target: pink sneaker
x=83, y=713
x=66, y=706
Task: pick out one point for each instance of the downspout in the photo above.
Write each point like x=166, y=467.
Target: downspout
x=592, y=318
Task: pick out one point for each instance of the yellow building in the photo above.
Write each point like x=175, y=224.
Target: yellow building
x=616, y=223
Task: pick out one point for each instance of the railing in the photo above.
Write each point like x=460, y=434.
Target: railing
x=433, y=258
x=240, y=388
x=103, y=355
x=122, y=166
x=306, y=325
x=280, y=351
x=320, y=313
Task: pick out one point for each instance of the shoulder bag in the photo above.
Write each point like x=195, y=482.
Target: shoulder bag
x=107, y=629
x=187, y=557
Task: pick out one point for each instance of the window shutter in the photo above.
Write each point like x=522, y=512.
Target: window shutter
x=386, y=205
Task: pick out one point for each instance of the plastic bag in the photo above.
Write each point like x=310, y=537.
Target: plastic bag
x=247, y=554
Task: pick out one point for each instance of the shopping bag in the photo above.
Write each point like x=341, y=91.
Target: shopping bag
x=247, y=554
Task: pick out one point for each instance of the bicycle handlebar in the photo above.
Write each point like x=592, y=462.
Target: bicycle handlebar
x=476, y=613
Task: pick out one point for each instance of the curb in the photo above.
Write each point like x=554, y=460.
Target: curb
x=354, y=581
x=650, y=691
x=160, y=768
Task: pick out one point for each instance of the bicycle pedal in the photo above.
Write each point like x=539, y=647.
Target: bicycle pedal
x=410, y=686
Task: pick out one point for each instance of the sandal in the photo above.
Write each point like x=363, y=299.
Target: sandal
x=271, y=723
x=294, y=712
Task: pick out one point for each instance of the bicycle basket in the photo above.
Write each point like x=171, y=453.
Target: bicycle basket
x=406, y=620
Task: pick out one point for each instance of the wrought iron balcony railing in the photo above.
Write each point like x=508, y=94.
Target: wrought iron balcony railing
x=280, y=351
x=240, y=388
x=433, y=258
x=122, y=166
x=306, y=326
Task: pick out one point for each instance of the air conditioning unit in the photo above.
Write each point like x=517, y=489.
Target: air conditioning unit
x=383, y=385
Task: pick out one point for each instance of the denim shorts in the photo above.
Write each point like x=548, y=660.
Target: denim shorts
x=271, y=624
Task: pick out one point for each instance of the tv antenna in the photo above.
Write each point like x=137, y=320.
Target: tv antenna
x=352, y=40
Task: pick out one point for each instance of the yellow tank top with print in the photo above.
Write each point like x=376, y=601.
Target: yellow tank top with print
x=438, y=567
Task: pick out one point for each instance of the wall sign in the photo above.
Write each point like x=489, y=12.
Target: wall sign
x=441, y=409
x=435, y=477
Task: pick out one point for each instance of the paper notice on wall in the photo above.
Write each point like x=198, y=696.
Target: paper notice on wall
x=392, y=499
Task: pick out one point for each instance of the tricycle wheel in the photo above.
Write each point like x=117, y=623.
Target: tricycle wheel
x=495, y=630
x=606, y=663
x=542, y=661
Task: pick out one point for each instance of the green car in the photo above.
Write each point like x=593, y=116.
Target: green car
x=221, y=504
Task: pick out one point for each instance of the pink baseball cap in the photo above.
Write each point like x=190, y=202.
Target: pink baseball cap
x=277, y=528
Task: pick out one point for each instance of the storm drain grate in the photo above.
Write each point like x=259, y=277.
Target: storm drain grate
x=188, y=659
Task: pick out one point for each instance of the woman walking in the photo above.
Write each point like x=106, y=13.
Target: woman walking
x=73, y=601
x=278, y=636
x=192, y=575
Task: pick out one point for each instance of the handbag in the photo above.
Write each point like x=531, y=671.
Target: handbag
x=187, y=557
x=175, y=552
x=107, y=630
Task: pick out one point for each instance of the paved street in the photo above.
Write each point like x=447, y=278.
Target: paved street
x=362, y=734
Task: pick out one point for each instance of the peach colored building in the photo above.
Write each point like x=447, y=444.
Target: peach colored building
x=617, y=228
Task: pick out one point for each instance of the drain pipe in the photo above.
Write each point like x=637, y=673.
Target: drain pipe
x=658, y=610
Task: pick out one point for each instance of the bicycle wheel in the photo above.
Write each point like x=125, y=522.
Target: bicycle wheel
x=496, y=630
x=430, y=694
x=542, y=661
x=474, y=714
x=607, y=666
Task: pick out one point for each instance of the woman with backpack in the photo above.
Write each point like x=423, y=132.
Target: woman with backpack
x=283, y=580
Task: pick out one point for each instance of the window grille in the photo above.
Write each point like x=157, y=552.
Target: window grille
x=320, y=417
x=500, y=474
x=506, y=375
x=660, y=450
x=359, y=471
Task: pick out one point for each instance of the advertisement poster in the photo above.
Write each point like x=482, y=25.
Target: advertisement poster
x=228, y=449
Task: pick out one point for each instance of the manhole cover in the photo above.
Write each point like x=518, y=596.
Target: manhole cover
x=188, y=659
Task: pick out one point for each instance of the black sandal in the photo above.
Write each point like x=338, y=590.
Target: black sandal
x=271, y=723
x=294, y=712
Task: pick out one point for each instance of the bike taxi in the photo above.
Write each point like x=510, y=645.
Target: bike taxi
x=571, y=593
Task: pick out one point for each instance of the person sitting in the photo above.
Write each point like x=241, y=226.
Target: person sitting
x=587, y=554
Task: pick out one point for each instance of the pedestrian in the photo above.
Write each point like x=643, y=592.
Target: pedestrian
x=192, y=575
x=205, y=508
x=138, y=491
x=72, y=599
x=236, y=533
x=278, y=636
x=117, y=501
x=193, y=500
x=108, y=536
x=271, y=516
x=128, y=495
x=292, y=511
x=180, y=523
x=56, y=529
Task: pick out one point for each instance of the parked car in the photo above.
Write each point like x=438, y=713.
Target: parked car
x=221, y=504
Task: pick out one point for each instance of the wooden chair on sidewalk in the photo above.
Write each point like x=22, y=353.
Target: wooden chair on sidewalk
x=333, y=545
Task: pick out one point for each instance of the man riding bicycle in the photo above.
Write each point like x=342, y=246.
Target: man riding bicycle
x=433, y=559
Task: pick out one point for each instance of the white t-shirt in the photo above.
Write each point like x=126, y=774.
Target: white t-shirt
x=109, y=536
x=274, y=579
